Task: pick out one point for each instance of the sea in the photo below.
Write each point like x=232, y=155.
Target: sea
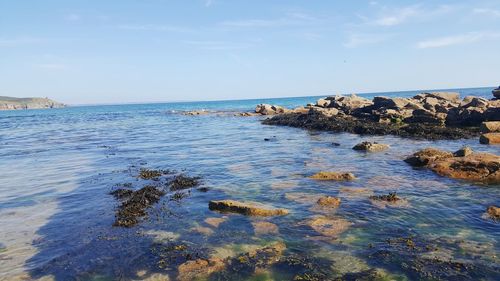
x=58, y=167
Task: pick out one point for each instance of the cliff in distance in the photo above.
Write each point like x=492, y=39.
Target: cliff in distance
x=10, y=103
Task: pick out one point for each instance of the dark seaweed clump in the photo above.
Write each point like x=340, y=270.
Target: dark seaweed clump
x=172, y=254
x=182, y=181
x=134, y=204
x=405, y=254
x=363, y=126
x=150, y=174
x=391, y=197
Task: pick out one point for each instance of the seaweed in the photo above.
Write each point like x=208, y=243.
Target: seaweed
x=391, y=197
x=150, y=174
x=181, y=181
x=135, y=204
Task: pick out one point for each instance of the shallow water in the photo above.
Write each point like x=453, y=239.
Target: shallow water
x=58, y=167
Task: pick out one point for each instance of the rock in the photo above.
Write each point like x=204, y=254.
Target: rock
x=199, y=269
x=490, y=127
x=245, y=208
x=477, y=102
x=370, y=146
x=470, y=116
x=496, y=92
x=328, y=112
x=484, y=167
x=301, y=110
x=264, y=227
x=427, y=156
x=348, y=104
x=448, y=96
x=329, y=201
x=425, y=116
x=334, y=176
x=215, y=222
x=494, y=212
x=196, y=112
x=385, y=102
x=323, y=103
x=267, y=109
x=462, y=152
x=330, y=227
x=490, y=138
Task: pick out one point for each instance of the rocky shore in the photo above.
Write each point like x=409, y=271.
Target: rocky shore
x=10, y=103
x=434, y=115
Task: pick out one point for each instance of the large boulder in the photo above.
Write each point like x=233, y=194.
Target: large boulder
x=348, y=103
x=323, y=103
x=267, y=109
x=448, y=96
x=425, y=116
x=494, y=212
x=427, y=156
x=466, y=116
x=245, y=208
x=490, y=138
x=496, y=93
x=385, y=102
x=484, y=167
x=490, y=127
x=370, y=146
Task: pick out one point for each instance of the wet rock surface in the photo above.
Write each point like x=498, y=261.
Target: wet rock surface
x=329, y=201
x=370, y=146
x=494, y=212
x=333, y=176
x=490, y=138
x=245, y=208
x=483, y=167
x=437, y=115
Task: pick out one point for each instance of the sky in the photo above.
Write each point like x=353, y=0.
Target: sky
x=122, y=51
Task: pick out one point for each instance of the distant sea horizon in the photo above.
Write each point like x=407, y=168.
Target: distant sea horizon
x=276, y=98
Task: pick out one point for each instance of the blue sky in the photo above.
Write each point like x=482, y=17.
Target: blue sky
x=85, y=51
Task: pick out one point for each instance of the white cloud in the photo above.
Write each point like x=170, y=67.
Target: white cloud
x=466, y=38
x=72, y=17
x=360, y=39
x=208, y=3
x=487, y=12
x=397, y=16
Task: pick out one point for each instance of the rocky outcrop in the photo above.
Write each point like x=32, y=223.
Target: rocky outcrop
x=245, y=208
x=329, y=227
x=494, y=212
x=490, y=127
x=370, y=146
x=267, y=109
x=483, y=167
x=434, y=115
x=333, y=176
x=329, y=201
x=496, y=92
x=464, y=151
x=490, y=138
x=10, y=103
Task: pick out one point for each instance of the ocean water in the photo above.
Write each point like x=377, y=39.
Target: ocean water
x=58, y=166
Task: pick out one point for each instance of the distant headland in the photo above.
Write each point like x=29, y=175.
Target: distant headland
x=11, y=103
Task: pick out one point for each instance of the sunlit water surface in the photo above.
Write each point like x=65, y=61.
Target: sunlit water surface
x=58, y=166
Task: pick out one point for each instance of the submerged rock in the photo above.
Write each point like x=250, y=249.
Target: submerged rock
x=199, y=269
x=264, y=227
x=333, y=176
x=490, y=138
x=245, y=208
x=215, y=222
x=391, y=197
x=370, y=146
x=494, y=212
x=329, y=227
x=329, y=201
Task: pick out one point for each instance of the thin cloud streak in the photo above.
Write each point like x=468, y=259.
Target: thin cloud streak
x=361, y=39
x=291, y=19
x=154, y=27
x=460, y=39
x=487, y=12
x=219, y=45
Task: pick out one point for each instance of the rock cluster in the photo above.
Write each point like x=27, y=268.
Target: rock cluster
x=333, y=176
x=491, y=132
x=484, y=167
x=496, y=92
x=370, y=146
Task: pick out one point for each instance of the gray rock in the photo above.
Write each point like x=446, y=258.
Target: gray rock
x=10, y=103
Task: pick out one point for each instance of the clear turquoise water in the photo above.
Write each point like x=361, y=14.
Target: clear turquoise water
x=58, y=166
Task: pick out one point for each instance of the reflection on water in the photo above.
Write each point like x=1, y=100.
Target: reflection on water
x=56, y=215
